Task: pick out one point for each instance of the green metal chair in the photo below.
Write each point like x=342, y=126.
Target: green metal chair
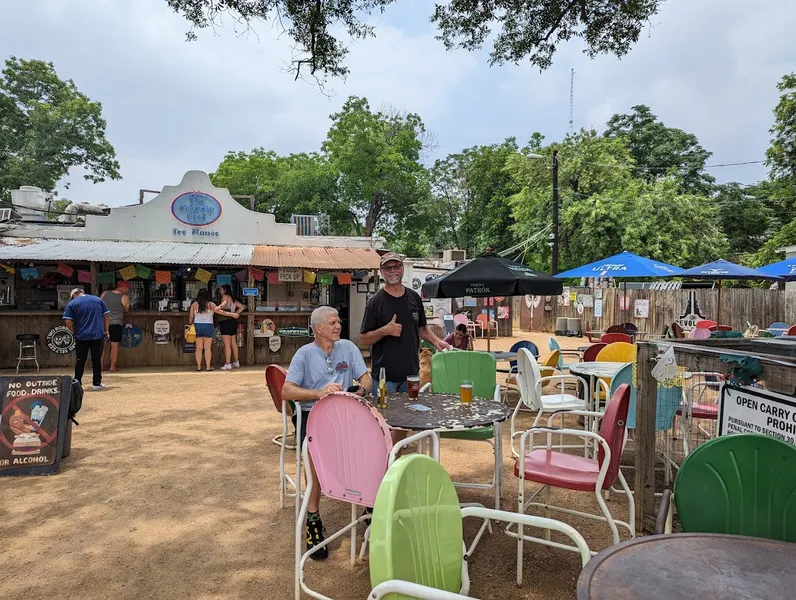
x=416, y=546
x=448, y=369
x=743, y=484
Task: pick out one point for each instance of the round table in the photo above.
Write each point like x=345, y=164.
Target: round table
x=691, y=565
x=447, y=412
x=503, y=356
x=596, y=369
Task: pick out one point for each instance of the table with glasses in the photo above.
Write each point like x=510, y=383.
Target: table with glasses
x=448, y=413
x=691, y=565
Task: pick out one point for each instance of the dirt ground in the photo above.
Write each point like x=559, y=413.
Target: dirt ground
x=171, y=491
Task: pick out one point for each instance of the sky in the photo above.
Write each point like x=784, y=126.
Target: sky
x=708, y=67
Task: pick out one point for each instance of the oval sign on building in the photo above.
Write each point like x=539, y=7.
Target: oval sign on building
x=196, y=209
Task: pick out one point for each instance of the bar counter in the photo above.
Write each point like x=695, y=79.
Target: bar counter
x=146, y=353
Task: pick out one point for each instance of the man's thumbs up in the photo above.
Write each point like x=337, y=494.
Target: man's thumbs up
x=393, y=328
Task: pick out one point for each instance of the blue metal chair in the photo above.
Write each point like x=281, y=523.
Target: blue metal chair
x=553, y=345
x=779, y=328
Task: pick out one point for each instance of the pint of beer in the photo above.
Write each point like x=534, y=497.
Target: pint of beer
x=466, y=391
x=413, y=386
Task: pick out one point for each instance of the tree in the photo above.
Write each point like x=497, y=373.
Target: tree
x=470, y=191
x=286, y=185
x=531, y=29
x=381, y=181
x=47, y=127
x=745, y=217
x=661, y=151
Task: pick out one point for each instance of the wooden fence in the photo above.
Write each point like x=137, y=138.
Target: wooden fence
x=759, y=307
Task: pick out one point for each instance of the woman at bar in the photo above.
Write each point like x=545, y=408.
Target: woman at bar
x=229, y=326
x=201, y=317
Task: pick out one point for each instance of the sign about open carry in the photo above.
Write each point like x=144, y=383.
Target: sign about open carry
x=755, y=410
x=34, y=412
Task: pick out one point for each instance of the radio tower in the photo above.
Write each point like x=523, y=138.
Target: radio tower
x=571, y=98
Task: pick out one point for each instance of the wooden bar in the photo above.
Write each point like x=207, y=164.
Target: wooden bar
x=646, y=400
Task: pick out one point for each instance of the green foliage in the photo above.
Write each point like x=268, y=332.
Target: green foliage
x=470, y=191
x=377, y=155
x=781, y=156
x=530, y=29
x=661, y=151
x=745, y=218
x=48, y=127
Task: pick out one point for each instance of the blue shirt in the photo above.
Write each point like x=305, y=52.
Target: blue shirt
x=313, y=369
x=86, y=312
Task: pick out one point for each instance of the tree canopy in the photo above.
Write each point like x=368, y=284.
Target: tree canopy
x=47, y=127
x=532, y=29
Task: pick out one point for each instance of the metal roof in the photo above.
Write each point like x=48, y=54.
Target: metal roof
x=177, y=253
x=186, y=253
x=316, y=257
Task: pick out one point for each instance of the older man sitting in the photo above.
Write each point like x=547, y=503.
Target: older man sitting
x=328, y=365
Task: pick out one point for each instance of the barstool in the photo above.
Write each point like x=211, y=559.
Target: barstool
x=27, y=348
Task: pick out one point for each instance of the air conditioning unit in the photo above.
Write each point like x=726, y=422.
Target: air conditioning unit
x=454, y=255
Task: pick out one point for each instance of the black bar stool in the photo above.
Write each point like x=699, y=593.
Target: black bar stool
x=27, y=349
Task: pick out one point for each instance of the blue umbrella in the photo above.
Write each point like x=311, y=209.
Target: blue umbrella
x=784, y=268
x=724, y=269
x=624, y=264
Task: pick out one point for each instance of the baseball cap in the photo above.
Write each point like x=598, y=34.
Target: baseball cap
x=122, y=285
x=76, y=291
x=390, y=257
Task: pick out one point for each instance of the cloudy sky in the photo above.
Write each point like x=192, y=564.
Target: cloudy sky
x=708, y=67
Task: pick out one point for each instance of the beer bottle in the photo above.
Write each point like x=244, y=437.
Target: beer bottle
x=382, y=388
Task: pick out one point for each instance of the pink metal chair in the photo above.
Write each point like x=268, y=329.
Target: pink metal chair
x=351, y=449
x=275, y=379
x=549, y=468
x=610, y=338
x=699, y=333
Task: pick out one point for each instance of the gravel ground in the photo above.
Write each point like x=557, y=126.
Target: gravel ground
x=171, y=491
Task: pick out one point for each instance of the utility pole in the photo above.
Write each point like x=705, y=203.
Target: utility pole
x=554, y=235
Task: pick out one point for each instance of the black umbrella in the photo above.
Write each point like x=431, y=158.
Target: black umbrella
x=491, y=275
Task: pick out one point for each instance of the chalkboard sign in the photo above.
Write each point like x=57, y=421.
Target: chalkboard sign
x=34, y=413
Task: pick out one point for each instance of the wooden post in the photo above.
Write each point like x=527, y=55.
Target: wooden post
x=250, y=323
x=646, y=399
x=94, y=284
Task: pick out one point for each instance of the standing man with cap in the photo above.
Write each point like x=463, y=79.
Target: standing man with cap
x=88, y=318
x=118, y=302
x=394, y=324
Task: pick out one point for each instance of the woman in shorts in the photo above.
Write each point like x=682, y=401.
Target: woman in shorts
x=229, y=326
x=201, y=317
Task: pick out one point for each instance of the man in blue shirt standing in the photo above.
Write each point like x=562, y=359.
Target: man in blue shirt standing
x=88, y=318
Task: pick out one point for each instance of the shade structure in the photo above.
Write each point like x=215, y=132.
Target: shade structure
x=784, y=268
x=491, y=275
x=724, y=269
x=624, y=264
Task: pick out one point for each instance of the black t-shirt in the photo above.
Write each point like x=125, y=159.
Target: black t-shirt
x=398, y=355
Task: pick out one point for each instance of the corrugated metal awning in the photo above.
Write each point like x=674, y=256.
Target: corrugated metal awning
x=172, y=253
x=345, y=259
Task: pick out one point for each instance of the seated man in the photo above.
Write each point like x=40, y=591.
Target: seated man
x=326, y=366
x=459, y=339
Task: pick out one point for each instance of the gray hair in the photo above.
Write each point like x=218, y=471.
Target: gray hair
x=319, y=315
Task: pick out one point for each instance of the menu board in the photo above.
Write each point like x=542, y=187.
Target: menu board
x=34, y=413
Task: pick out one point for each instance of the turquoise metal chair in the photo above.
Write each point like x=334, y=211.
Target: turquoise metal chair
x=416, y=545
x=553, y=345
x=743, y=484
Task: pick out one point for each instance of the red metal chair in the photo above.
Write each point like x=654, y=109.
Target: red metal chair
x=677, y=331
x=617, y=329
x=275, y=380
x=792, y=330
x=610, y=338
x=590, y=354
x=549, y=468
x=705, y=324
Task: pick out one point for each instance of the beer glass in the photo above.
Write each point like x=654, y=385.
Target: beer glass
x=466, y=391
x=413, y=386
